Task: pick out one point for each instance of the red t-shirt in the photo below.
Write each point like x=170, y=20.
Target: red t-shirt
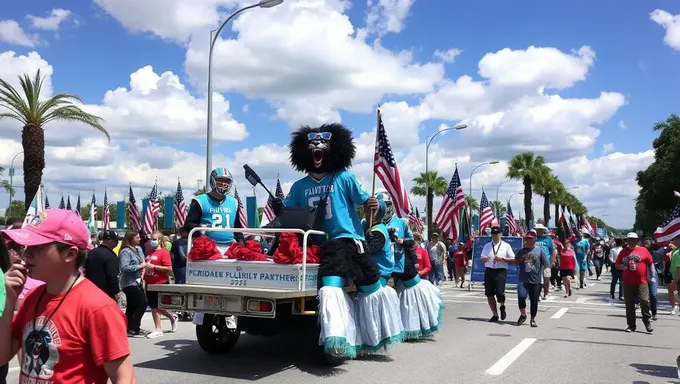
x=460, y=257
x=423, y=263
x=567, y=261
x=638, y=258
x=87, y=330
x=161, y=258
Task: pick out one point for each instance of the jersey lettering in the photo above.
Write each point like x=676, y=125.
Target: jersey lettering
x=314, y=201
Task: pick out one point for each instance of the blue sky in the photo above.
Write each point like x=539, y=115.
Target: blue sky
x=94, y=51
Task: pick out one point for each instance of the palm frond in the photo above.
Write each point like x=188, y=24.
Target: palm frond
x=14, y=116
x=74, y=113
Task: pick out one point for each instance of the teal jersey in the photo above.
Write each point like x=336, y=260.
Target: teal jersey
x=341, y=220
x=218, y=215
x=385, y=257
x=402, y=231
x=546, y=243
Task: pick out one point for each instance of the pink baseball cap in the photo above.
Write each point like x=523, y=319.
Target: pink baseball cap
x=52, y=225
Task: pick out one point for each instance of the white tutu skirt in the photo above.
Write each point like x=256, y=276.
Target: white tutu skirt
x=338, y=335
x=421, y=308
x=378, y=318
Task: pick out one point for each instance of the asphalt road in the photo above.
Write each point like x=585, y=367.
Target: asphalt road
x=578, y=340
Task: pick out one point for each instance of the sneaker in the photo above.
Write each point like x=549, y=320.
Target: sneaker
x=565, y=295
x=533, y=323
x=675, y=311
x=493, y=319
x=521, y=320
x=629, y=330
x=599, y=279
x=131, y=333
x=649, y=328
x=503, y=314
x=154, y=334
x=173, y=323
x=654, y=317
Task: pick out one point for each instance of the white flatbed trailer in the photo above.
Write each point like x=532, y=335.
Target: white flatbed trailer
x=265, y=297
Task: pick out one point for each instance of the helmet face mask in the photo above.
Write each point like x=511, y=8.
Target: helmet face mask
x=389, y=206
x=221, y=181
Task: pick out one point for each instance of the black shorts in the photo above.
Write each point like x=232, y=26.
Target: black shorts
x=566, y=273
x=494, y=281
x=152, y=299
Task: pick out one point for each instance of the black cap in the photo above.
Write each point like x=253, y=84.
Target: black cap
x=496, y=230
x=110, y=234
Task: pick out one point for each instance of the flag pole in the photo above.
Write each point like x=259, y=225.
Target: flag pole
x=377, y=127
x=159, y=203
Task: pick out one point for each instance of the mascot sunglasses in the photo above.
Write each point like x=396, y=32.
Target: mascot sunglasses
x=322, y=135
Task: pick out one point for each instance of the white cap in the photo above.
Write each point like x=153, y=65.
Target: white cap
x=632, y=235
x=540, y=226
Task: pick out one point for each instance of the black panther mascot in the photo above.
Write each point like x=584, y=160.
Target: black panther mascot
x=325, y=154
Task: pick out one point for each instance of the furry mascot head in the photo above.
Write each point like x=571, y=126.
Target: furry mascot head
x=319, y=151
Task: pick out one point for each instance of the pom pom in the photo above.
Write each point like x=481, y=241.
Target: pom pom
x=248, y=252
x=203, y=248
x=290, y=251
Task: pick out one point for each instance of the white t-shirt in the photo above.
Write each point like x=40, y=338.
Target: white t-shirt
x=502, y=249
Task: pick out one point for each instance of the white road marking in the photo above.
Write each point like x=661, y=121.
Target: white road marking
x=588, y=306
x=582, y=300
x=510, y=357
x=559, y=313
x=466, y=294
x=549, y=298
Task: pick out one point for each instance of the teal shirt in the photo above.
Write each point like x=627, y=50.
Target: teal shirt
x=218, y=214
x=3, y=293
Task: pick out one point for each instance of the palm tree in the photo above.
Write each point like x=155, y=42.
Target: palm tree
x=34, y=113
x=530, y=169
x=471, y=203
x=498, y=208
x=435, y=184
x=5, y=184
x=547, y=187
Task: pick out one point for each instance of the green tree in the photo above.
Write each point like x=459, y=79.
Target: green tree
x=548, y=187
x=204, y=189
x=498, y=208
x=530, y=169
x=360, y=211
x=656, y=201
x=260, y=212
x=16, y=209
x=33, y=114
x=471, y=203
x=435, y=184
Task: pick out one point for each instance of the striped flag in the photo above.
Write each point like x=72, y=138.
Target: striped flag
x=93, y=210
x=77, y=211
x=107, y=214
x=153, y=207
x=486, y=216
x=268, y=212
x=133, y=212
x=47, y=202
x=414, y=219
x=385, y=167
x=92, y=220
x=513, y=228
x=448, y=217
x=61, y=203
x=669, y=229
x=180, y=207
x=242, y=218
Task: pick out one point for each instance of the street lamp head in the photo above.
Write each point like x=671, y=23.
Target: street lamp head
x=269, y=3
x=460, y=126
x=494, y=162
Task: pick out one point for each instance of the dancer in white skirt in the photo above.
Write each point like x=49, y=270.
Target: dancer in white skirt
x=377, y=303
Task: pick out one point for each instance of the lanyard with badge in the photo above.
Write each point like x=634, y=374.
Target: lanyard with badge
x=495, y=251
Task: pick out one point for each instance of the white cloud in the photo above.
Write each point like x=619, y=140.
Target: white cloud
x=385, y=16
x=51, y=22
x=447, y=56
x=12, y=33
x=671, y=23
x=623, y=125
x=608, y=148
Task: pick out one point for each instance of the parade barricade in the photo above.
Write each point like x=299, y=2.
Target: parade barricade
x=477, y=270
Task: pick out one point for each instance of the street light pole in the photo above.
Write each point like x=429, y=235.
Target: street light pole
x=498, y=188
x=11, y=185
x=471, y=173
x=213, y=40
x=428, y=141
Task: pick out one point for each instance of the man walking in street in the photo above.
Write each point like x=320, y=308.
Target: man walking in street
x=634, y=261
x=533, y=264
x=495, y=256
x=549, y=252
x=101, y=265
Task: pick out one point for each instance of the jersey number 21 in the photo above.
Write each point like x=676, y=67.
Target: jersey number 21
x=220, y=220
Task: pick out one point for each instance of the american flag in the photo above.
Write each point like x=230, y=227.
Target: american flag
x=268, y=212
x=61, y=204
x=385, y=166
x=93, y=207
x=669, y=229
x=47, y=202
x=586, y=224
x=565, y=227
x=107, y=214
x=68, y=203
x=180, y=207
x=486, y=216
x=448, y=217
x=77, y=211
x=414, y=220
x=153, y=207
x=133, y=211
x=241, y=211
x=513, y=228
